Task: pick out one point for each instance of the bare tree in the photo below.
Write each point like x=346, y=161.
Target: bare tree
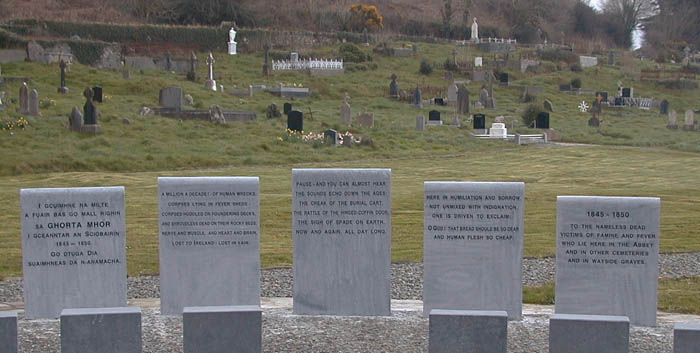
x=631, y=13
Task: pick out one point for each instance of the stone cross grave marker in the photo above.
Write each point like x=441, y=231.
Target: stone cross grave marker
x=63, y=89
x=346, y=111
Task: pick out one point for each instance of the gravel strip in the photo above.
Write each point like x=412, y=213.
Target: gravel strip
x=407, y=278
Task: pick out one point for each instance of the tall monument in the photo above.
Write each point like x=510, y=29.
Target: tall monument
x=232, y=42
x=475, y=31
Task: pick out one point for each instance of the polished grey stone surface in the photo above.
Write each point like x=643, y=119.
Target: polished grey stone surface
x=73, y=249
x=341, y=227
x=607, y=256
x=588, y=334
x=473, y=246
x=8, y=332
x=102, y=330
x=468, y=331
x=686, y=337
x=209, y=242
x=222, y=329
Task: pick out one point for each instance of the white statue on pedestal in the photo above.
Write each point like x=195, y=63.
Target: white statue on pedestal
x=475, y=31
x=232, y=41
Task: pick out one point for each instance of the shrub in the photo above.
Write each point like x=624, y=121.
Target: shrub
x=576, y=83
x=576, y=67
x=530, y=114
x=425, y=67
x=352, y=53
x=449, y=65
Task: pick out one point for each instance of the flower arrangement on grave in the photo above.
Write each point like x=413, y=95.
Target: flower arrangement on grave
x=346, y=138
x=12, y=125
x=46, y=103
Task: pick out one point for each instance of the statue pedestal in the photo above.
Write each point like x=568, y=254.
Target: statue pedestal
x=210, y=84
x=232, y=48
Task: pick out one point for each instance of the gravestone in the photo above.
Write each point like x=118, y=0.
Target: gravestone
x=663, y=110
x=467, y=331
x=439, y=101
x=473, y=246
x=478, y=61
x=34, y=103
x=604, y=96
x=479, y=121
x=208, y=223
x=434, y=118
x=452, y=95
x=23, y=99
x=97, y=94
x=594, y=122
x=272, y=111
x=266, y=65
x=686, y=337
x=330, y=136
x=588, y=334
x=504, y=79
x=101, y=330
x=210, y=83
x=365, y=120
x=566, y=87
x=689, y=123
x=216, y=115
x=341, y=228
x=8, y=332
x=542, y=120
x=548, y=105
x=484, y=97
x=76, y=119
x=672, y=120
x=90, y=114
x=286, y=108
x=611, y=58
x=73, y=249
x=588, y=61
x=231, y=42
x=420, y=123
x=626, y=92
x=192, y=72
x=462, y=100
x=607, y=256
x=475, y=31
x=295, y=121
x=171, y=98
x=222, y=329
x=417, y=99
x=63, y=89
x=480, y=75
x=394, y=87
x=499, y=119
x=346, y=111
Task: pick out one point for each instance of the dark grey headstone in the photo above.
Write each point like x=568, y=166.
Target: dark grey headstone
x=439, y=101
x=101, y=330
x=462, y=99
x=171, y=98
x=417, y=98
x=331, y=137
x=76, y=119
x=626, y=92
x=73, y=249
x=504, y=78
x=433, y=115
x=542, y=120
x=604, y=95
x=588, y=334
x=393, y=87
x=8, y=332
x=295, y=121
x=209, y=223
x=664, y=107
x=97, y=94
x=473, y=246
x=479, y=121
x=607, y=256
x=467, y=331
x=287, y=107
x=90, y=112
x=222, y=329
x=341, y=227
x=33, y=101
x=686, y=337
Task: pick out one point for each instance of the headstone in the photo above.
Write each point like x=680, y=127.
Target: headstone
x=480, y=75
x=420, y=123
x=34, y=103
x=484, y=97
x=548, y=106
x=216, y=115
x=232, y=42
x=393, y=87
x=473, y=246
x=594, y=122
x=23, y=99
x=73, y=249
x=479, y=122
x=126, y=74
x=588, y=61
x=222, y=329
x=611, y=58
x=76, y=119
x=8, y=332
x=331, y=137
x=272, y=111
x=287, y=107
x=588, y=334
x=475, y=31
x=499, y=119
x=210, y=83
x=63, y=89
x=478, y=61
x=101, y=330
x=498, y=130
x=97, y=94
x=542, y=120
x=365, y=120
x=626, y=92
x=504, y=79
x=171, y=98
x=664, y=107
x=295, y=121
x=689, y=120
x=672, y=120
x=467, y=331
x=346, y=111
x=341, y=227
x=434, y=117
x=266, y=65
x=452, y=94
x=208, y=223
x=565, y=87
x=192, y=72
x=462, y=100
x=439, y=101
x=603, y=95
x=90, y=113
x=417, y=99
x=607, y=256
x=686, y=337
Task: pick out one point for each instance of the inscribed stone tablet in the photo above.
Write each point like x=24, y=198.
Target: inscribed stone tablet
x=209, y=242
x=73, y=249
x=607, y=256
x=473, y=246
x=341, y=227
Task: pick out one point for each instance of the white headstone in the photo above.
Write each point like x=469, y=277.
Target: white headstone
x=73, y=249
x=473, y=246
x=475, y=31
x=341, y=227
x=498, y=130
x=478, y=61
x=209, y=242
x=607, y=256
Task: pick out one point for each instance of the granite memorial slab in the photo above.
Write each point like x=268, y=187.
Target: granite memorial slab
x=209, y=242
x=103, y=330
x=686, y=337
x=341, y=228
x=607, y=256
x=73, y=249
x=467, y=331
x=473, y=246
x=171, y=98
x=588, y=334
x=295, y=121
x=222, y=329
x=8, y=332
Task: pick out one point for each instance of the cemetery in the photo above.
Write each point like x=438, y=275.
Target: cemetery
x=361, y=192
